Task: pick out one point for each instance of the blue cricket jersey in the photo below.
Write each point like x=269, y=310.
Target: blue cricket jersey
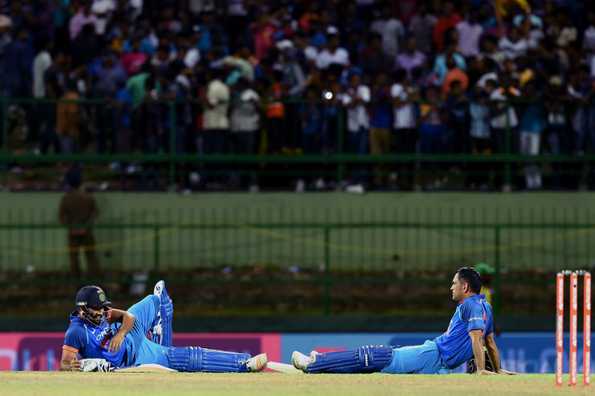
x=91, y=341
x=474, y=313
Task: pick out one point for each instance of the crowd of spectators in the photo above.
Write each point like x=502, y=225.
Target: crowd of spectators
x=255, y=76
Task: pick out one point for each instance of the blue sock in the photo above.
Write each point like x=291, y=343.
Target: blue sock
x=193, y=359
x=366, y=359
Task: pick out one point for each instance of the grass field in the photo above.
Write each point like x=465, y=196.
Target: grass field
x=174, y=384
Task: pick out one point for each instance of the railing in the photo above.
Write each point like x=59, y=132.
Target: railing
x=170, y=163
x=328, y=253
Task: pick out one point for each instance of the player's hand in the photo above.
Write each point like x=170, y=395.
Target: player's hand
x=116, y=342
x=506, y=372
x=485, y=372
x=75, y=364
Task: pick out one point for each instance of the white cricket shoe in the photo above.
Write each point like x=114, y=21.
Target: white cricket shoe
x=301, y=361
x=158, y=289
x=257, y=363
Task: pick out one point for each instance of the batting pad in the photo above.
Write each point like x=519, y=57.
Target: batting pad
x=146, y=368
x=283, y=368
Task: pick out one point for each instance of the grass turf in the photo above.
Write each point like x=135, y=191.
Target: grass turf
x=174, y=384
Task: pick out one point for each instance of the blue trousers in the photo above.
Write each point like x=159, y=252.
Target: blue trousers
x=141, y=350
x=418, y=359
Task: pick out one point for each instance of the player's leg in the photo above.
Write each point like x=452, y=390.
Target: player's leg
x=365, y=359
x=418, y=359
x=162, y=329
x=197, y=359
x=144, y=313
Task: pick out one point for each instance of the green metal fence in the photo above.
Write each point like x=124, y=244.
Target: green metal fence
x=373, y=242
x=335, y=164
x=365, y=240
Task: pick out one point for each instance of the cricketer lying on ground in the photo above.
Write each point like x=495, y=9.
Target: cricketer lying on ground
x=92, y=329
x=470, y=328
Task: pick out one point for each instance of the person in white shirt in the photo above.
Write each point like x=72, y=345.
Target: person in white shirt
x=356, y=98
x=411, y=57
x=83, y=17
x=332, y=54
x=216, y=120
x=513, y=45
x=391, y=30
x=470, y=31
x=504, y=119
x=41, y=63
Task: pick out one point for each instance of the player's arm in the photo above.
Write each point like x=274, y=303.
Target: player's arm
x=493, y=351
x=478, y=351
x=69, y=360
x=127, y=320
x=494, y=355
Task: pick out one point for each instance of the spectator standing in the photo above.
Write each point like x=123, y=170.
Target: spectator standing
x=421, y=28
x=405, y=135
x=514, y=44
x=82, y=17
x=17, y=62
x=77, y=212
x=390, y=29
x=453, y=75
x=245, y=124
x=448, y=20
x=333, y=53
x=312, y=123
x=470, y=31
x=41, y=63
x=123, y=119
x=411, y=58
x=380, y=127
x=216, y=116
x=356, y=98
x=479, y=131
x=68, y=119
x=375, y=60
x=133, y=60
x=312, y=120
x=442, y=61
x=531, y=127
x=457, y=107
x=432, y=129
x=503, y=120
x=275, y=115
x=558, y=138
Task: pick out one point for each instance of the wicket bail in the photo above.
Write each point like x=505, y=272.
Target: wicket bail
x=573, y=303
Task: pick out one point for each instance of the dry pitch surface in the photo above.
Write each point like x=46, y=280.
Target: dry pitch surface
x=173, y=384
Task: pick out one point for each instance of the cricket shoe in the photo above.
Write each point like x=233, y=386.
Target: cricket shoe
x=257, y=363
x=162, y=329
x=301, y=361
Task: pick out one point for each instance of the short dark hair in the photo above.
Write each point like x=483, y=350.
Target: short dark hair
x=470, y=276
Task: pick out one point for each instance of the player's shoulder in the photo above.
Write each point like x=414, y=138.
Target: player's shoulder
x=75, y=328
x=76, y=325
x=476, y=301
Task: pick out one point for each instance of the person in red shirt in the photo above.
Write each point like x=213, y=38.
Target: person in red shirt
x=448, y=20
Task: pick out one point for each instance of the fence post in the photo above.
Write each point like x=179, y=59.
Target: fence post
x=497, y=264
x=172, y=142
x=3, y=110
x=327, y=271
x=156, y=244
x=507, y=143
x=340, y=144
